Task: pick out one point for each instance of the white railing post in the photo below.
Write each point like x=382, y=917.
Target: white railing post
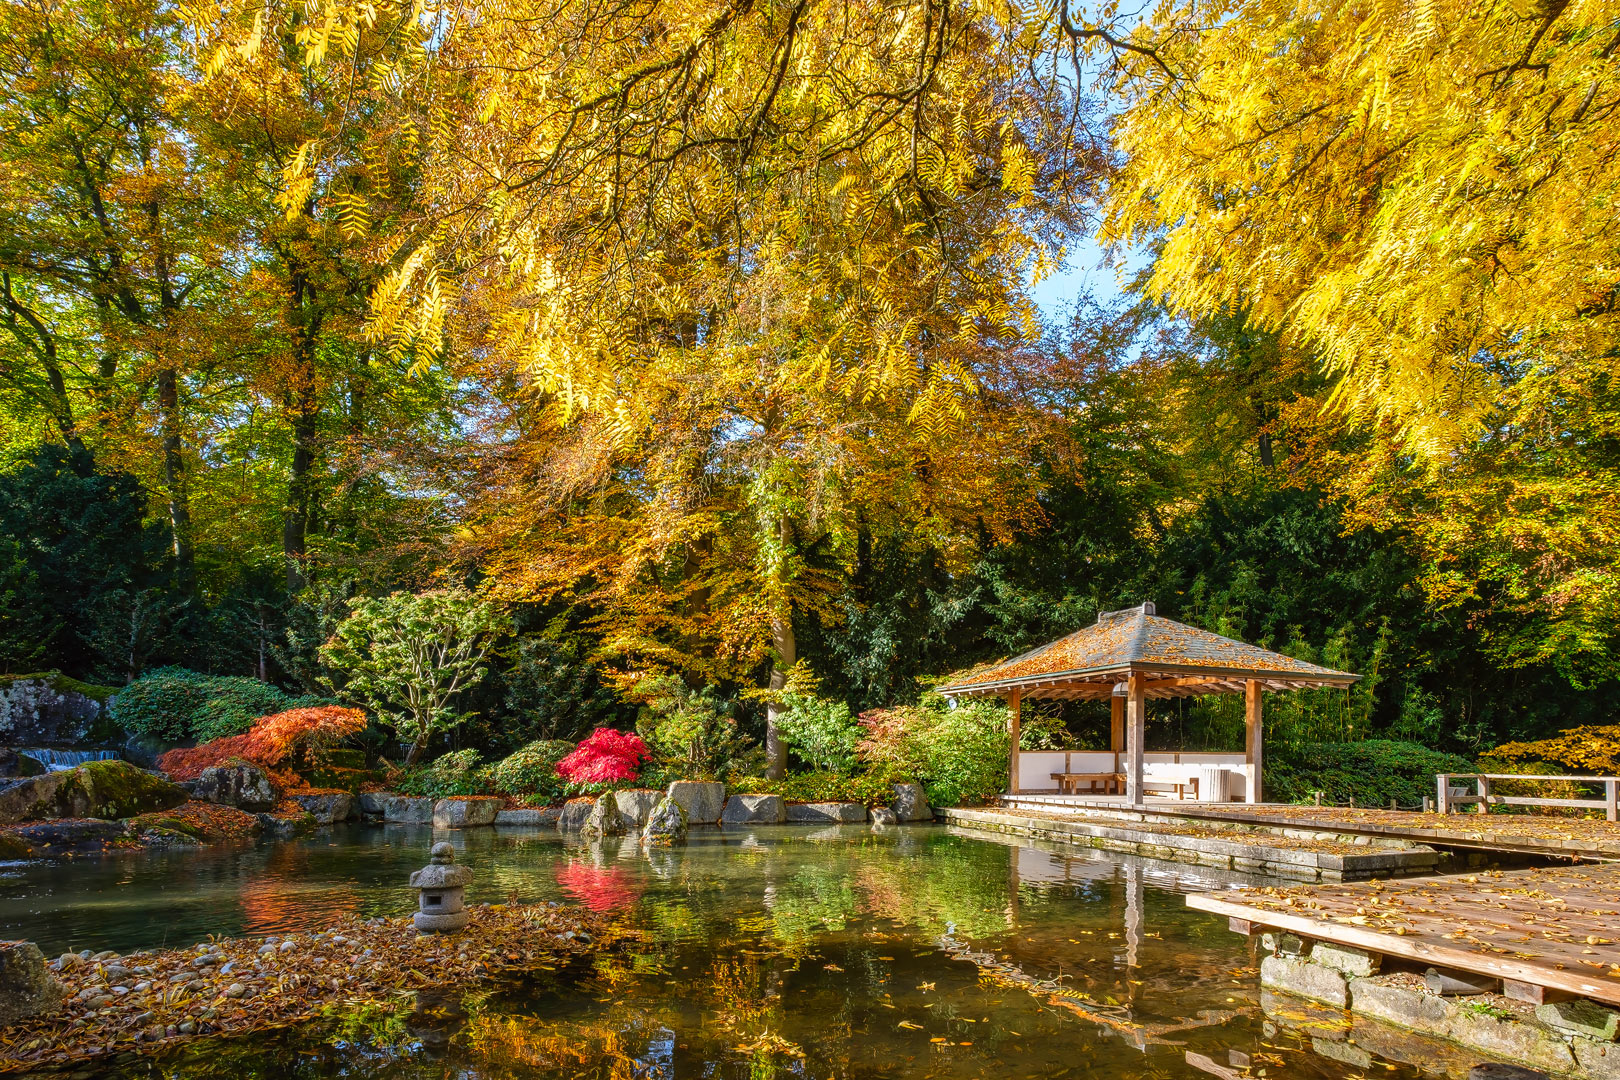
x=1612, y=811
x=1442, y=792
x=1484, y=794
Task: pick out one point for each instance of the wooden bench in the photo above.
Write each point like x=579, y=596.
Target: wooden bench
x=1069, y=782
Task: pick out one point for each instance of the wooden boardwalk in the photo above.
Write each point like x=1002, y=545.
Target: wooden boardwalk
x=1554, y=928
x=1523, y=834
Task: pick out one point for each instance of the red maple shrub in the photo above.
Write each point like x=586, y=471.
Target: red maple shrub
x=282, y=744
x=604, y=757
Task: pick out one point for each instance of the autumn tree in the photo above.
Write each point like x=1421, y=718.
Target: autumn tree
x=1419, y=194
x=407, y=657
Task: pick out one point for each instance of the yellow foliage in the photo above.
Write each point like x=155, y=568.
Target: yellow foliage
x=1422, y=192
x=1593, y=749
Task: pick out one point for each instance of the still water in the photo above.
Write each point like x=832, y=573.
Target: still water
x=921, y=953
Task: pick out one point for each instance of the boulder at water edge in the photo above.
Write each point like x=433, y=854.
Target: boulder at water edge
x=99, y=789
x=574, y=813
x=538, y=815
x=465, y=812
x=604, y=819
x=826, y=813
x=636, y=805
x=700, y=800
x=754, y=810
x=882, y=817
x=326, y=807
x=241, y=785
x=911, y=804
x=407, y=809
x=666, y=825
x=13, y=764
x=26, y=988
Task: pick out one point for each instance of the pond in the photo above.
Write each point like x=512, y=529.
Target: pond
x=783, y=951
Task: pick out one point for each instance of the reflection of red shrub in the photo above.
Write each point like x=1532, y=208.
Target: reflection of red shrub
x=282, y=739
x=599, y=888
x=606, y=756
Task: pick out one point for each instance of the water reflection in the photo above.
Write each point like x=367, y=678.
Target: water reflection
x=774, y=952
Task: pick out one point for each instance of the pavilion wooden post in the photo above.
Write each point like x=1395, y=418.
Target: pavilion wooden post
x=1015, y=705
x=1116, y=724
x=1252, y=739
x=1135, y=736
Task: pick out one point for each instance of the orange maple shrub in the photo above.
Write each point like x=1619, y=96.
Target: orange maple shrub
x=281, y=744
x=1589, y=749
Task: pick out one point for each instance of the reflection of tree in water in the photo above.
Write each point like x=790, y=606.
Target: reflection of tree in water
x=812, y=900
x=600, y=888
x=950, y=884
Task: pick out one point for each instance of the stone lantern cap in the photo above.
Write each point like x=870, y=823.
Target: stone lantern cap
x=442, y=873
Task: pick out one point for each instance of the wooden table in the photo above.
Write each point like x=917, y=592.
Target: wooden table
x=1069, y=782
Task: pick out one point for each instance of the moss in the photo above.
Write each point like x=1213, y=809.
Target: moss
x=63, y=684
x=117, y=789
x=13, y=848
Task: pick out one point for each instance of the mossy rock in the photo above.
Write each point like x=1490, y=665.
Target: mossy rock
x=13, y=848
x=340, y=779
x=63, y=684
x=97, y=789
x=344, y=759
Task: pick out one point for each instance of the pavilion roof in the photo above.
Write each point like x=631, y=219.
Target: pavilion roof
x=1178, y=660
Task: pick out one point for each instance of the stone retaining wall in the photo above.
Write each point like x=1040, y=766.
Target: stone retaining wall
x=1565, y=1038
x=1247, y=852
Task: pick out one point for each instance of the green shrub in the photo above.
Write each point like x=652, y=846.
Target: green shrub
x=531, y=771
x=1371, y=772
x=874, y=788
x=176, y=704
x=458, y=773
x=959, y=754
x=820, y=732
x=692, y=734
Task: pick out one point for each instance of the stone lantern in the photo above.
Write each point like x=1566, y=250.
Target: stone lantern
x=441, y=883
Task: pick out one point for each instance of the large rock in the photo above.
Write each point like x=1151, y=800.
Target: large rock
x=604, y=819
x=244, y=786
x=666, y=825
x=826, y=813
x=371, y=803
x=465, y=812
x=48, y=710
x=754, y=810
x=541, y=815
x=911, y=804
x=45, y=839
x=636, y=805
x=407, y=809
x=702, y=801
x=13, y=764
x=26, y=988
x=98, y=789
x=574, y=813
x=326, y=807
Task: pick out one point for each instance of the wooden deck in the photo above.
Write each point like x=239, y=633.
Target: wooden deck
x=1556, y=928
x=1524, y=834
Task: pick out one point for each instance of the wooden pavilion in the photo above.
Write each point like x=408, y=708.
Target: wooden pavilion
x=1128, y=657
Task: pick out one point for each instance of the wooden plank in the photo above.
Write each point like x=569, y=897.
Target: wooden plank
x=1015, y=706
x=1554, y=928
x=1409, y=947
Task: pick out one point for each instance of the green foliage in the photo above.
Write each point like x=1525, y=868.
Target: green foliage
x=175, y=704
x=959, y=754
x=1371, y=772
x=820, y=732
x=692, y=734
x=552, y=689
x=873, y=787
x=82, y=578
x=457, y=773
x=406, y=657
x=531, y=771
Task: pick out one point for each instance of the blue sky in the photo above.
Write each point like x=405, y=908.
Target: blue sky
x=1083, y=271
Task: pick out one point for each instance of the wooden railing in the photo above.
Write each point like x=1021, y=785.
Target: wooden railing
x=1446, y=799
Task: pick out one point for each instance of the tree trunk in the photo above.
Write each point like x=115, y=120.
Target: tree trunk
x=174, y=480
x=303, y=404
x=786, y=655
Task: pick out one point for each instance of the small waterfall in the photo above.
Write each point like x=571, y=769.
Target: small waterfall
x=60, y=760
